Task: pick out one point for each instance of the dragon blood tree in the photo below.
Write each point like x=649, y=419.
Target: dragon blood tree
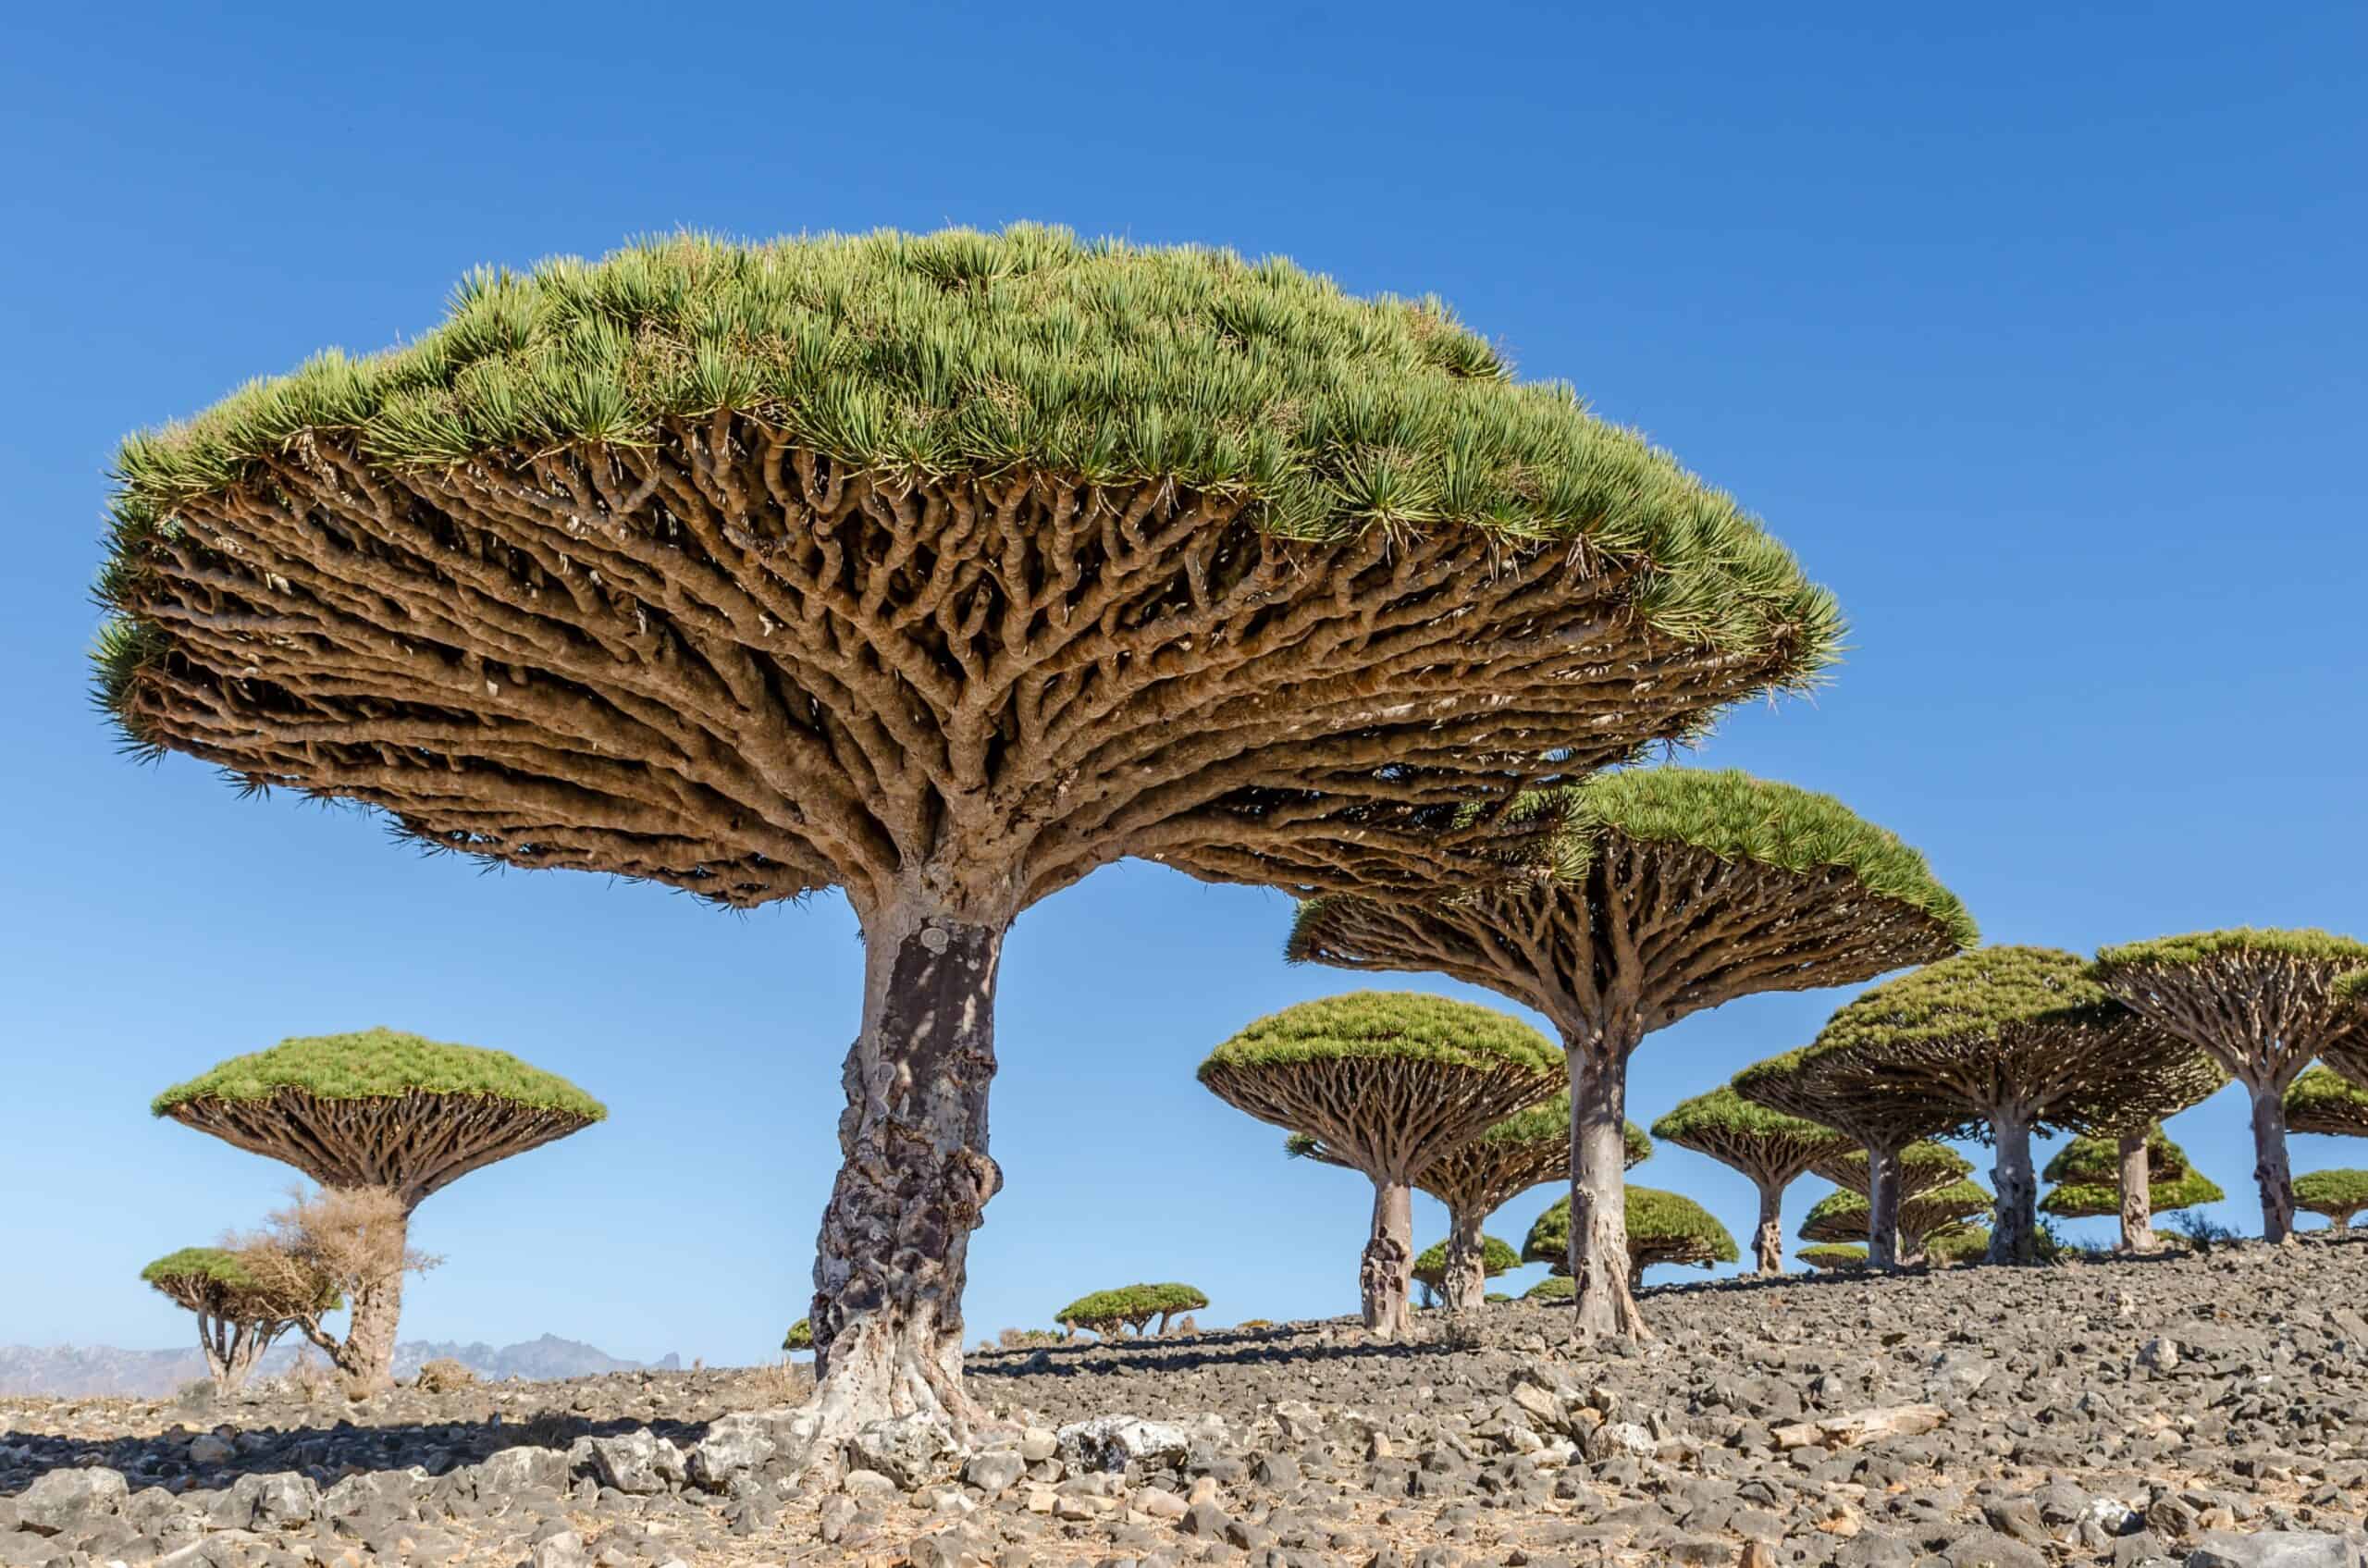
x=1835, y=1259
x=1131, y=1307
x=380, y=1111
x=1921, y=1165
x=1769, y=1147
x=2133, y=1176
x=2262, y=1003
x=239, y=1315
x=1661, y=1228
x=1935, y=1212
x=1430, y=1269
x=2337, y=1195
x=2347, y=1053
x=1385, y=1083
x=941, y=570
x=2323, y=1101
x=1666, y=891
x=1839, y=1092
x=2000, y=1042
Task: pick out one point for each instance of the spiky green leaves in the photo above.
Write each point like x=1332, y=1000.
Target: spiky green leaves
x=2348, y=955
x=2165, y=1195
x=800, y=1338
x=2089, y=1158
x=1496, y=1258
x=217, y=1282
x=2337, y=1194
x=1765, y=1144
x=1833, y=1258
x=1974, y=997
x=1663, y=1228
x=2321, y=1100
x=2263, y=1002
x=968, y=353
x=1396, y=1026
x=1129, y=1306
x=383, y=1064
x=210, y=1266
x=1839, y=1216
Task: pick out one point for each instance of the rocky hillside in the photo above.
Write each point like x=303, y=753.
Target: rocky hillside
x=2203, y=1411
x=84, y=1372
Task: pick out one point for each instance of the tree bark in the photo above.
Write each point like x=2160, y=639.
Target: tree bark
x=1768, y=1236
x=2271, y=1173
x=1383, y=1272
x=1604, y=1303
x=365, y=1359
x=2136, y=1195
x=2014, y=1227
x=893, y=1252
x=1465, y=1279
x=1882, y=1206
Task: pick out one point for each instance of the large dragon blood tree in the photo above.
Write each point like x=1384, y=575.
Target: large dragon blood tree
x=1665, y=890
x=941, y=570
x=1769, y=1147
x=2131, y=1176
x=2262, y=1003
x=2326, y=1102
x=2004, y=1041
x=1384, y=1082
x=1474, y=1182
x=380, y=1111
x=240, y=1315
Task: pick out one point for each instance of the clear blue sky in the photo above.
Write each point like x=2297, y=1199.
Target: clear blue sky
x=2039, y=339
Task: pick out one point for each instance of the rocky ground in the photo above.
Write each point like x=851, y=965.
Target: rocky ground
x=2200, y=1410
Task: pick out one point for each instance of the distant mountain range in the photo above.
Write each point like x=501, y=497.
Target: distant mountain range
x=80, y=1371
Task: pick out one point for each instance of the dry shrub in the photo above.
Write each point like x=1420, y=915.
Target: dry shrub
x=343, y=1240
x=443, y=1376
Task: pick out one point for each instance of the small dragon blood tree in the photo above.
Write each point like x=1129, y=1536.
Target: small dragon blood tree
x=2262, y=1003
x=1936, y=1211
x=1131, y=1307
x=2096, y=1176
x=1667, y=890
x=942, y=570
x=239, y=1315
x=2326, y=1102
x=380, y=1111
x=1834, y=1259
x=1769, y=1147
x=1430, y=1268
x=2003, y=1041
x=1385, y=1083
x=2339, y=1195
x=1661, y=1228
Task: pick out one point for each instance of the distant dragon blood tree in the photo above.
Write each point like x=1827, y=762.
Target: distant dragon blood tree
x=1662, y=1227
x=1840, y=1093
x=2262, y=1003
x=1935, y=1212
x=1920, y=1167
x=239, y=1315
x=1666, y=890
x=2326, y=1102
x=1430, y=1267
x=1131, y=1307
x=380, y=1111
x=1770, y=1148
x=1385, y=1083
x=2132, y=1175
x=1835, y=1259
x=2337, y=1195
x=2003, y=1041
x=941, y=570
x=2347, y=1053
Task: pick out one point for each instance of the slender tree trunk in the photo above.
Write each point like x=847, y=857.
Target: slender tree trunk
x=2136, y=1195
x=1465, y=1279
x=1605, y=1302
x=214, y=1342
x=2014, y=1230
x=1882, y=1206
x=365, y=1359
x=2271, y=1173
x=915, y=1178
x=2339, y=1225
x=1383, y=1271
x=1768, y=1236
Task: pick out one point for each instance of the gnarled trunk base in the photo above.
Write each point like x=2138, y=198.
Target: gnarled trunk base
x=365, y=1359
x=1604, y=1303
x=893, y=1250
x=1465, y=1279
x=2014, y=1227
x=2272, y=1175
x=1383, y=1271
x=232, y=1350
x=2136, y=1195
x=1768, y=1235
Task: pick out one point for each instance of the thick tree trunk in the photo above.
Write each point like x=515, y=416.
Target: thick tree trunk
x=2014, y=1227
x=2271, y=1173
x=1383, y=1272
x=1882, y=1206
x=1604, y=1303
x=365, y=1359
x=1465, y=1279
x=914, y=1179
x=1768, y=1236
x=2136, y=1195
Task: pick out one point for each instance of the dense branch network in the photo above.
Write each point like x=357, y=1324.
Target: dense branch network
x=2323, y=1101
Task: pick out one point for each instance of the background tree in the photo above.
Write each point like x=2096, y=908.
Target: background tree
x=378, y=1111
x=1956, y=1244
x=339, y=1244
x=942, y=570
x=238, y=1316
x=1840, y=1091
x=1830, y=1258
x=1518, y=1152
x=2339, y=1195
x=2095, y=1176
x=2326, y=1102
x=1662, y=1226
x=2347, y=1053
x=800, y=1338
x=1385, y=1083
x=2263, y=1004
x=1131, y=1307
x=1669, y=890
x=1430, y=1268
x=1841, y=1216
x=1769, y=1147
x=2006, y=1041
x=1920, y=1167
